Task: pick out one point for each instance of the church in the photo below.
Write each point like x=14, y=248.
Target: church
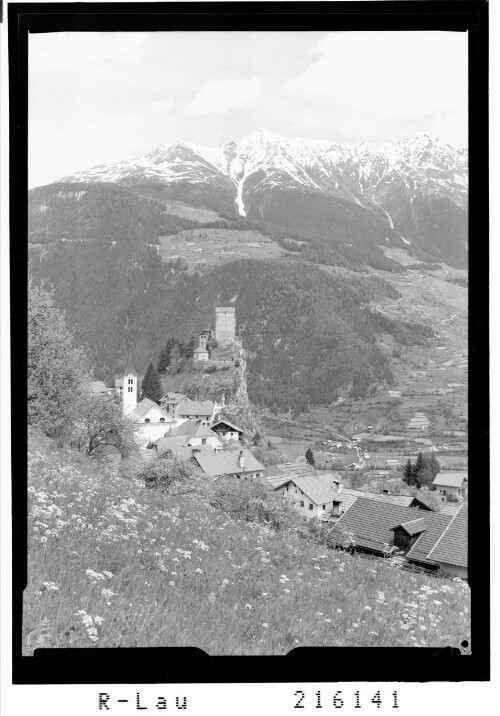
x=151, y=420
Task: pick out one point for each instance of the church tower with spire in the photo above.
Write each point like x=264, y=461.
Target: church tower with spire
x=129, y=394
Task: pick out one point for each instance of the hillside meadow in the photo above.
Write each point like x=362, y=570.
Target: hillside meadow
x=113, y=563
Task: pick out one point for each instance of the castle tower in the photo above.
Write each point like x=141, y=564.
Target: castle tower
x=225, y=324
x=129, y=394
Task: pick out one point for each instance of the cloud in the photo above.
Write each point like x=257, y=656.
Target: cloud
x=387, y=83
x=223, y=96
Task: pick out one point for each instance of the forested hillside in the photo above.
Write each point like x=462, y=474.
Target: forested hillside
x=308, y=336
x=99, y=211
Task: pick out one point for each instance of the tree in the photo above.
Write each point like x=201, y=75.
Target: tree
x=434, y=465
x=420, y=473
x=58, y=373
x=310, y=457
x=102, y=428
x=407, y=472
x=151, y=385
x=163, y=362
x=256, y=438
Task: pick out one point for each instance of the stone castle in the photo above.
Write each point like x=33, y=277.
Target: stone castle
x=225, y=325
x=225, y=332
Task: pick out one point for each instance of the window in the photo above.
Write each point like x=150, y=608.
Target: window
x=324, y=507
x=310, y=506
x=130, y=390
x=203, y=441
x=301, y=502
x=162, y=420
x=130, y=381
x=147, y=420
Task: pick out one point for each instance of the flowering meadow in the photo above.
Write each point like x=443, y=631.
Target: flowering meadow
x=116, y=564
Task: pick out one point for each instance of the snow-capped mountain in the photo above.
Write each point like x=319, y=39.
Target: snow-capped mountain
x=413, y=192
x=365, y=173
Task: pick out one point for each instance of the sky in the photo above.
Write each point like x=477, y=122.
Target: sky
x=98, y=98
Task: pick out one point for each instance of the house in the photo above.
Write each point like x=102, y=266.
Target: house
x=97, y=387
x=380, y=528
x=170, y=403
x=203, y=410
x=224, y=429
x=451, y=485
x=200, y=355
x=312, y=495
x=241, y=464
x=189, y=434
x=347, y=497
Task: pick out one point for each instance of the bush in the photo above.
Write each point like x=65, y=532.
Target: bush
x=211, y=369
x=253, y=502
x=170, y=474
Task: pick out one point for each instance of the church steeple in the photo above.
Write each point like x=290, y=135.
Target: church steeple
x=129, y=394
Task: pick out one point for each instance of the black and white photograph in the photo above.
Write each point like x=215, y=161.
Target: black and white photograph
x=248, y=341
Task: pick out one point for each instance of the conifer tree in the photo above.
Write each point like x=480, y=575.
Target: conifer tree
x=163, y=361
x=151, y=385
x=407, y=472
x=434, y=465
x=310, y=457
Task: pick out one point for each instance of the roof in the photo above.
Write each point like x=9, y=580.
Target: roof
x=170, y=442
x=144, y=407
x=450, y=479
x=317, y=489
x=436, y=523
x=451, y=547
x=129, y=368
x=226, y=463
x=173, y=397
x=196, y=407
x=200, y=350
x=118, y=381
x=412, y=527
x=372, y=522
x=450, y=508
x=229, y=425
x=192, y=429
x=276, y=481
x=401, y=500
x=97, y=386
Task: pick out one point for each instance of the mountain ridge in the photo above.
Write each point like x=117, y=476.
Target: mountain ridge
x=416, y=190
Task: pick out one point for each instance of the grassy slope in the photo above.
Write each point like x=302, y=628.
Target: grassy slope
x=114, y=564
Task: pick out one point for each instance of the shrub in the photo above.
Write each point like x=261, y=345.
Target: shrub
x=253, y=502
x=170, y=474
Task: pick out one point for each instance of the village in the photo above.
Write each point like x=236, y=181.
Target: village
x=426, y=534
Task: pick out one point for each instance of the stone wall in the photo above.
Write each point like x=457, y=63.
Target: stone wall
x=225, y=325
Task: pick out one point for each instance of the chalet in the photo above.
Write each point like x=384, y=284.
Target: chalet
x=313, y=495
x=347, y=497
x=380, y=528
x=241, y=464
x=226, y=430
x=190, y=434
x=451, y=485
